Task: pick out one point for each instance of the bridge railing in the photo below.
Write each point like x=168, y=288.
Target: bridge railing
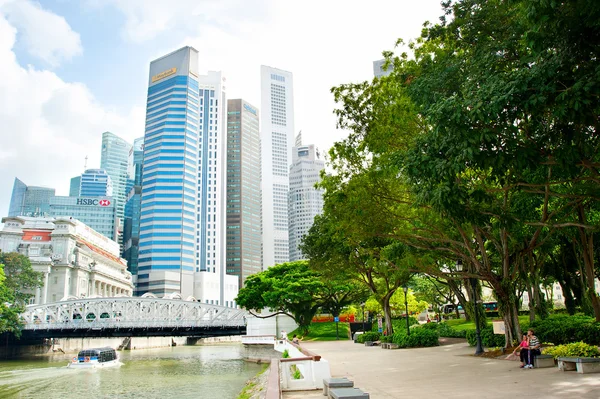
x=87, y=325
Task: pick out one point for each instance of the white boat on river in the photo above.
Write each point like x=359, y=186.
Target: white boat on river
x=95, y=358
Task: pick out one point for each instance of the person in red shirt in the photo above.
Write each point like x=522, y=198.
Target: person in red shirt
x=524, y=350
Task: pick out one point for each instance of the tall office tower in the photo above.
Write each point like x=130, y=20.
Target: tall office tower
x=305, y=201
x=277, y=140
x=212, y=284
x=98, y=212
x=167, y=242
x=75, y=186
x=379, y=70
x=29, y=200
x=244, y=237
x=113, y=159
x=96, y=183
x=131, y=223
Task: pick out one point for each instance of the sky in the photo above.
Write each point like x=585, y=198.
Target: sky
x=72, y=69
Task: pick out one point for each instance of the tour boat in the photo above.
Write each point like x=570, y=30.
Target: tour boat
x=95, y=358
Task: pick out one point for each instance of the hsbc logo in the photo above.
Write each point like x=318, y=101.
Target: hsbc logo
x=93, y=202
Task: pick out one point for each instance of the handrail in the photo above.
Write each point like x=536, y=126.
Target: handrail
x=308, y=353
x=273, y=387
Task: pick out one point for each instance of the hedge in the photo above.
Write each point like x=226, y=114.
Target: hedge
x=488, y=338
x=444, y=330
x=563, y=329
x=368, y=336
x=419, y=337
x=575, y=349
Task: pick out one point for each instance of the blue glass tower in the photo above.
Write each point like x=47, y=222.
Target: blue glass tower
x=95, y=183
x=169, y=176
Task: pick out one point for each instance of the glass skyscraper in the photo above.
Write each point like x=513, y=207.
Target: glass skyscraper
x=99, y=213
x=29, y=200
x=305, y=201
x=167, y=245
x=75, y=186
x=244, y=235
x=96, y=183
x=114, y=160
x=131, y=224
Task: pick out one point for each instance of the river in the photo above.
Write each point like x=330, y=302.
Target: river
x=180, y=372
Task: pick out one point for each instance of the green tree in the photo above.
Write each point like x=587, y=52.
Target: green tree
x=295, y=290
x=9, y=309
x=21, y=279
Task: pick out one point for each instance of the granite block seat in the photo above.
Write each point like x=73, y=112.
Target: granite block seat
x=331, y=383
x=583, y=365
x=542, y=361
x=347, y=393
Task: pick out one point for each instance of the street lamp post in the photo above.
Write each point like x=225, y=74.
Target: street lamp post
x=405, y=289
x=473, y=281
x=362, y=305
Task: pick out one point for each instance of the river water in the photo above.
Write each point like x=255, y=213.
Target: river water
x=180, y=372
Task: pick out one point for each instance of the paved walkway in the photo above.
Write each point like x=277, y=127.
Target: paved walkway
x=444, y=372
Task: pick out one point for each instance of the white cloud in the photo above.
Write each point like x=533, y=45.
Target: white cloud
x=47, y=36
x=49, y=125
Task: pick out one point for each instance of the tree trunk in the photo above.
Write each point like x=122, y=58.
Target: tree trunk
x=507, y=307
x=531, y=304
x=387, y=312
x=587, y=247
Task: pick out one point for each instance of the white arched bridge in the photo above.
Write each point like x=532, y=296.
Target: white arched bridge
x=131, y=316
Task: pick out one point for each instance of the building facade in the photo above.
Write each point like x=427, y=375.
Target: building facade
x=305, y=201
x=182, y=234
x=77, y=262
x=29, y=200
x=169, y=176
x=114, y=159
x=379, y=70
x=277, y=140
x=99, y=213
x=244, y=232
x=95, y=183
x=131, y=225
x=75, y=186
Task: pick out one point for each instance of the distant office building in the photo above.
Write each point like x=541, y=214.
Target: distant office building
x=75, y=186
x=244, y=236
x=277, y=140
x=76, y=261
x=96, y=183
x=305, y=201
x=114, y=160
x=182, y=225
x=131, y=225
x=379, y=70
x=99, y=213
x=29, y=200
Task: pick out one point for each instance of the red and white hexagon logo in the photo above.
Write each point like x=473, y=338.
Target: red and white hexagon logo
x=104, y=202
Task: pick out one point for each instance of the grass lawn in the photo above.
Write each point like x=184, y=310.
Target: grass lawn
x=323, y=332
x=462, y=324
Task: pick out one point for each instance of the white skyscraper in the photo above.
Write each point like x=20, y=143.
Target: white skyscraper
x=277, y=140
x=305, y=201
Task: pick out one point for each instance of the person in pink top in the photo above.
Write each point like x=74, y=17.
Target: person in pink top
x=523, y=348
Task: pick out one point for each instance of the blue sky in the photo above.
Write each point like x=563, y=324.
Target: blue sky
x=72, y=69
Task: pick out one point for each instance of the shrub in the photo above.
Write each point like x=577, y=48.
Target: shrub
x=285, y=354
x=386, y=338
x=419, y=337
x=397, y=323
x=575, y=349
x=368, y=336
x=563, y=329
x=488, y=338
x=446, y=331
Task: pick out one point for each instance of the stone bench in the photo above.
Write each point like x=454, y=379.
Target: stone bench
x=583, y=365
x=331, y=383
x=389, y=345
x=347, y=393
x=542, y=361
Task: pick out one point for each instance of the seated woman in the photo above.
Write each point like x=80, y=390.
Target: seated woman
x=523, y=349
x=534, y=348
x=295, y=339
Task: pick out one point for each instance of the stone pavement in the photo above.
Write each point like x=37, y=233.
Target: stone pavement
x=448, y=371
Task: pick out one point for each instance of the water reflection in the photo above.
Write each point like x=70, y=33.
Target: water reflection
x=180, y=372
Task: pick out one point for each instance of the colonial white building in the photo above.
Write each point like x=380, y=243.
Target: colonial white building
x=77, y=261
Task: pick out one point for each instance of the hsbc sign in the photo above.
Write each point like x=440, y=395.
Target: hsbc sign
x=93, y=202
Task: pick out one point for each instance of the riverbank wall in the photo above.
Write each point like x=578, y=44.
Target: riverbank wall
x=74, y=345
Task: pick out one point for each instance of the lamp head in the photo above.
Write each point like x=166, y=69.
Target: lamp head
x=459, y=265
x=405, y=289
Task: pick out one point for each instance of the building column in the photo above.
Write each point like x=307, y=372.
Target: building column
x=93, y=286
x=38, y=292
x=66, y=288
x=45, y=291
